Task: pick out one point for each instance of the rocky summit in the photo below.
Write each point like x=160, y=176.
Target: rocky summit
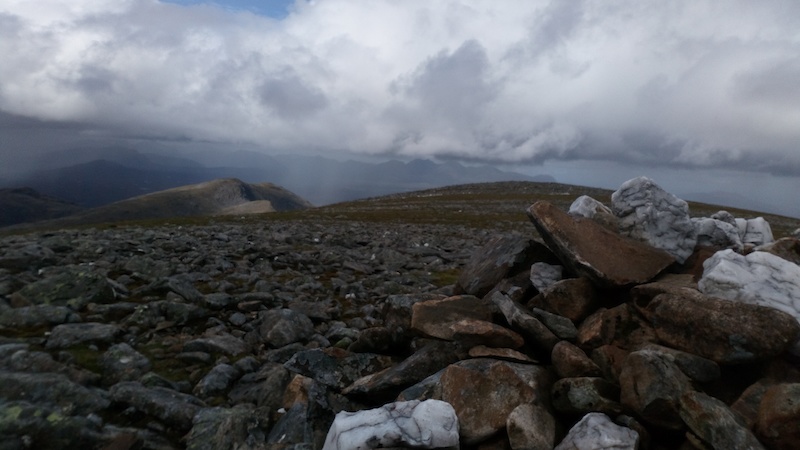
x=629, y=326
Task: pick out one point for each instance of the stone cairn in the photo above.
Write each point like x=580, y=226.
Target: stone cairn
x=627, y=327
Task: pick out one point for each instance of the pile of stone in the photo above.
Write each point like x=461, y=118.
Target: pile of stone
x=629, y=326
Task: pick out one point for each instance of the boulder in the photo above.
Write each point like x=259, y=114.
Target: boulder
x=74, y=334
x=335, y=367
x=570, y=361
x=535, y=331
x=597, y=431
x=241, y=426
x=787, y=248
x=173, y=408
x=416, y=424
x=714, y=424
x=499, y=258
x=585, y=206
x=778, y=422
x=53, y=389
x=281, y=327
x=721, y=330
x=757, y=232
x=544, y=275
x=717, y=233
x=582, y=395
x=588, y=249
x=573, y=298
x=72, y=286
x=122, y=363
x=650, y=214
x=531, y=427
x=759, y=278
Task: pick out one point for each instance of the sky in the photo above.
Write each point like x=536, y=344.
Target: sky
x=597, y=91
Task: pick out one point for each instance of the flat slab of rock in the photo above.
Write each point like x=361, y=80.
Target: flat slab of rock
x=172, y=407
x=72, y=334
x=606, y=258
x=416, y=424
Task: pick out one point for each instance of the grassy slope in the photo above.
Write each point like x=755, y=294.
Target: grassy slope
x=485, y=206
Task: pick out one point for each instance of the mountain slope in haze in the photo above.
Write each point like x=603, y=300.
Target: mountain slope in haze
x=22, y=205
x=124, y=173
x=216, y=197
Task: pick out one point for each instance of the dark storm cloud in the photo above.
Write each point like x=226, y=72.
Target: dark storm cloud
x=685, y=84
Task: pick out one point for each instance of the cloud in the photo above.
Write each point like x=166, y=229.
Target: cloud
x=689, y=84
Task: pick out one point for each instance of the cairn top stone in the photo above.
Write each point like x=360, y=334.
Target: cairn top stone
x=593, y=251
x=649, y=213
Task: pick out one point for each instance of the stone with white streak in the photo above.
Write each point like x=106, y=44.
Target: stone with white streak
x=649, y=213
x=759, y=278
x=427, y=424
x=757, y=232
x=597, y=431
x=544, y=275
x=717, y=233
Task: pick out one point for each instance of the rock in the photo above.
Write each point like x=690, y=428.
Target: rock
x=223, y=343
x=588, y=249
x=397, y=308
x=264, y=388
x=484, y=392
x=570, y=361
x=597, y=431
x=27, y=425
x=723, y=331
x=609, y=358
x=241, y=426
x=787, y=248
x=427, y=317
x=652, y=387
x=36, y=316
x=122, y=363
x=335, y=367
x=482, y=351
x=537, y=334
x=757, y=232
x=716, y=233
x=650, y=214
x=427, y=424
x=714, y=423
x=72, y=286
x=621, y=326
x=23, y=360
x=217, y=381
x=585, y=206
x=281, y=327
x=543, y=275
x=53, y=389
x=778, y=424
x=480, y=332
x=559, y=325
x=531, y=427
x=695, y=367
x=574, y=298
x=171, y=407
x=500, y=258
x=74, y=334
x=425, y=362
x=759, y=278
x=582, y=395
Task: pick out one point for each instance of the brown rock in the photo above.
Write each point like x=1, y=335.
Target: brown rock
x=713, y=423
x=573, y=298
x=787, y=248
x=610, y=358
x=427, y=317
x=652, y=386
x=484, y=392
x=582, y=395
x=570, y=361
x=500, y=258
x=590, y=250
x=531, y=427
x=619, y=326
x=779, y=417
x=482, y=351
x=480, y=332
x=721, y=330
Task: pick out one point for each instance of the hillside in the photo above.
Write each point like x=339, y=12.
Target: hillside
x=28, y=205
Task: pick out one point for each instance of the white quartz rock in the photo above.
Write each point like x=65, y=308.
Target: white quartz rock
x=426, y=424
x=596, y=431
x=585, y=206
x=757, y=232
x=759, y=278
x=649, y=213
x=717, y=233
x=544, y=275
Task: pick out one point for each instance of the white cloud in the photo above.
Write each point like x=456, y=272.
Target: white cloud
x=688, y=83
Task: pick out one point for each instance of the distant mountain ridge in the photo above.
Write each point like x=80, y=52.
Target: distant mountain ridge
x=118, y=173
x=216, y=197
x=27, y=205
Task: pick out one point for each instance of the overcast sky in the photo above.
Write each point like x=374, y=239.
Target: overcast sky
x=688, y=84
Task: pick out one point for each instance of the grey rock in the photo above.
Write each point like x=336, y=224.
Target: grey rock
x=757, y=232
x=648, y=213
x=242, y=426
x=282, y=327
x=582, y=395
x=597, y=431
x=217, y=381
x=264, y=388
x=714, y=423
x=585, y=206
x=335, y=367
x=217, y=343
x=544, y=275
x=217, y=301
x=173, y=408
x=717, y=233
x=53, y=389
x=37, y=316
x=122, y=363
x=74, y=334
x=531, y=328
x=44, y=426
x=73, y=286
